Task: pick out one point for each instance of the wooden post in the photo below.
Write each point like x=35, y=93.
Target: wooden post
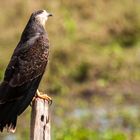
x=40, y=121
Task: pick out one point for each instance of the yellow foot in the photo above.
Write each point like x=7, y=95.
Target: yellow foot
x=44, y=96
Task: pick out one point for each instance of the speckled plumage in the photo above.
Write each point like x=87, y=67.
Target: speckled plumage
x=23, y=73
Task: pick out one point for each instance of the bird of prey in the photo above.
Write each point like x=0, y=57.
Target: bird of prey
x=24, y=71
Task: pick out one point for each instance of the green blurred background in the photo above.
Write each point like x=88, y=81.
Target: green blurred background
x=93, y=73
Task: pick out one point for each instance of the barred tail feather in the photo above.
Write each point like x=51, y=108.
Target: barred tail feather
x=8, y=116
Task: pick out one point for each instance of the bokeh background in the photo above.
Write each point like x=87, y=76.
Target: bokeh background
x=93, y=73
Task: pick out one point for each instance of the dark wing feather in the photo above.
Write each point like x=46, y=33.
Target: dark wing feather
x=27, y=64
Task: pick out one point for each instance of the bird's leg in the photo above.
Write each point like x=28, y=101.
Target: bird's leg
x=44, y=96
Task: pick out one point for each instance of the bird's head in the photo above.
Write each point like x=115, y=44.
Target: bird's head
x=41, y=16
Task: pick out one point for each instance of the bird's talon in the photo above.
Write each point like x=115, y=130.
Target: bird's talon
x=32, y=101
x=50, y=102
x=44, y=96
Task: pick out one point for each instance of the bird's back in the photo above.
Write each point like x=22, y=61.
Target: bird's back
x=22, y=78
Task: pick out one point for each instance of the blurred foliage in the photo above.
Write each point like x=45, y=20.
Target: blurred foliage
x=94, y=68
x=81, y=71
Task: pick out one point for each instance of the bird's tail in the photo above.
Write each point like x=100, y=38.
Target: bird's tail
x=8, y=116
x=11, y=109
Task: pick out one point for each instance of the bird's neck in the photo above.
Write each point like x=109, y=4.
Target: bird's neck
x=32, y=28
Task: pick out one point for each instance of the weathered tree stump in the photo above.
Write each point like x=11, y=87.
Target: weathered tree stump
x=40, y=121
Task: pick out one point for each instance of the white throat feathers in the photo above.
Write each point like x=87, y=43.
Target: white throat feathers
x=43, y=17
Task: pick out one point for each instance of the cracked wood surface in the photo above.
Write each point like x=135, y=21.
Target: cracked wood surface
x=40, y=122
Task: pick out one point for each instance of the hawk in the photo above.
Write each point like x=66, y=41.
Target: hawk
x=24, y=71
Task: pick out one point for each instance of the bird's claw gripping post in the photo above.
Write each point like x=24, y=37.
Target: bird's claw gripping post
x=44, y=96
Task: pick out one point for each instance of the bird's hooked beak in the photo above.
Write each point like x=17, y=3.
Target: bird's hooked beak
x=49, y=14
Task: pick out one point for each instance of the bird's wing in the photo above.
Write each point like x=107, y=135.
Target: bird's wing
x=28, y=62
